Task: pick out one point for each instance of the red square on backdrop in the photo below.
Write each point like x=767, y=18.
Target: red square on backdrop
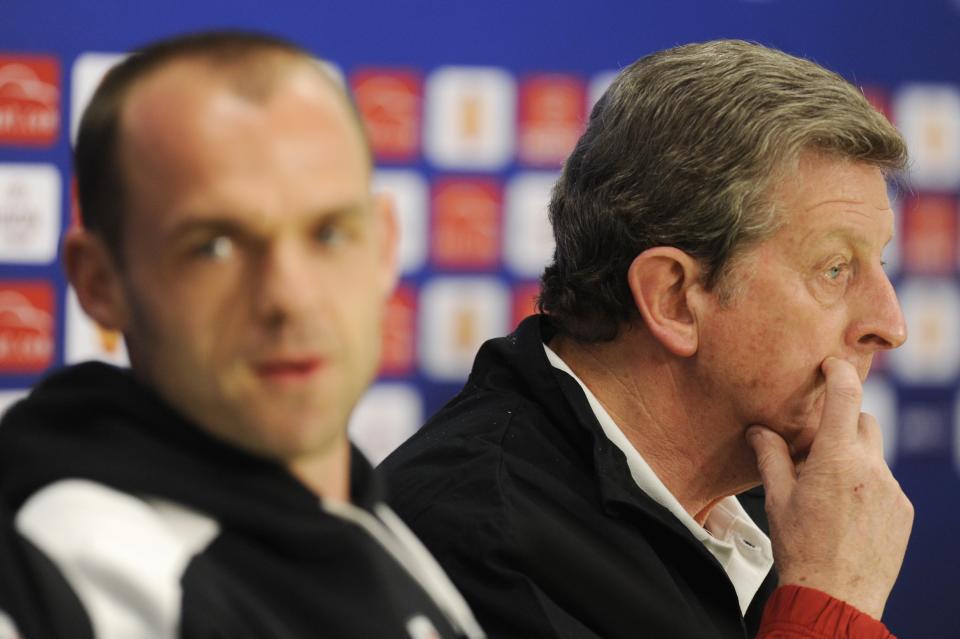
x=551, y=118
x=524, y=301
x=389, y=103
x=399, y=329
x=29, y=100
x=930, y=234
x=879, y=99
x=26, y=326
x=466, y=223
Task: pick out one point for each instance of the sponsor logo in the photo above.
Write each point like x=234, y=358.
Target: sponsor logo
x=528, y=237
x=931, y=307
x=879, y=99
x=86, y=340
x=466, y=223
x=409, y=193
x=26, y=326
x=457, y=315
x=386, y=416
x=88, y=70
x=399, y=325
x=389, y=103
x=525, y=301
x=930, y=234
x=880, y=400
x=470, y=118
x=29, y=100
x=928, y=115
x=29, y=213
x=551, y=118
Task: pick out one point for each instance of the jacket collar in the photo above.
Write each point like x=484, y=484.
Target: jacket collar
x=522, y=353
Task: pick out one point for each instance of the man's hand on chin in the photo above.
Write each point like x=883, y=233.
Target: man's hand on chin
x=839, y=521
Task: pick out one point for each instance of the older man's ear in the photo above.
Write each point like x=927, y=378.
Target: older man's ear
x=665, y=283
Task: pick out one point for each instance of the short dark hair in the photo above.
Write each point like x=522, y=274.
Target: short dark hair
x=251, y=62
x=683, y=150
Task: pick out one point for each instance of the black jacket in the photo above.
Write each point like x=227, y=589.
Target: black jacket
x=281, y=564
x=533, y=513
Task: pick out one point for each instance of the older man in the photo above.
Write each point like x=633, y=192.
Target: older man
x=230, y=234
x=716, y=297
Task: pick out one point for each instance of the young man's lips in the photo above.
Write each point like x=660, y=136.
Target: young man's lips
x=292, y=369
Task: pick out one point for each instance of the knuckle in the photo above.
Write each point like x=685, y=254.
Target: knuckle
x=849, y=391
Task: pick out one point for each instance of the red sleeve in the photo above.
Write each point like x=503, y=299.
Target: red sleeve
x=795, y=612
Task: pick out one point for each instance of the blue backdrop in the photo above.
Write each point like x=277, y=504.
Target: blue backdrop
x=463, y=208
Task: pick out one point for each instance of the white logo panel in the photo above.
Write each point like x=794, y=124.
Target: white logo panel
x=86, y=340
x=528, y=239
x=457, y=315
x=88, y=70
x=928, y=115
x=931, y=355
x=409, y=192
x=385, y=417
x=880, y=400
x=471, y=118
x=892, y=251
x=29, y=213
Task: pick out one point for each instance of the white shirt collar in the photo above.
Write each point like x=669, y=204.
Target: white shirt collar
x=729, y=534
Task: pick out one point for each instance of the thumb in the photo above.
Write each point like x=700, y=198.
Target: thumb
x=774, y=463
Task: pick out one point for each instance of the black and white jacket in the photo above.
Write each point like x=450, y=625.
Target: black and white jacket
x=120, y=520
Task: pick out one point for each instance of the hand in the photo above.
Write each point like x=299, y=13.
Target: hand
x=840, y=523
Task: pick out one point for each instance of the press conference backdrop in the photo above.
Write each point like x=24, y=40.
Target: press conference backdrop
x=471, y=109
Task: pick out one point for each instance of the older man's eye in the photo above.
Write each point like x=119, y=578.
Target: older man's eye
x=836, y=271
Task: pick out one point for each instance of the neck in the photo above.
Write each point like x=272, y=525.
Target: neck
x=327, y=472
x=699, y=454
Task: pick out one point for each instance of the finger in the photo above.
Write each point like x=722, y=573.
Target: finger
x=841, y=405
x=774, y=463
x=870, y=433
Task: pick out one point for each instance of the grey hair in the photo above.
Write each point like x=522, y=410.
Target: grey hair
x=684, y=150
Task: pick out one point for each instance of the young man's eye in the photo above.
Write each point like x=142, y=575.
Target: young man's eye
x=219, y=247
x=330, y=234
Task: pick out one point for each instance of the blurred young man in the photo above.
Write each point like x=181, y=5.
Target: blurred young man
x=230, y=233
x=715, y=300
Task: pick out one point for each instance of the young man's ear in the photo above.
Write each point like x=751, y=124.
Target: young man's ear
x=661, y=280
x=384, y=209
x=95, y=277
